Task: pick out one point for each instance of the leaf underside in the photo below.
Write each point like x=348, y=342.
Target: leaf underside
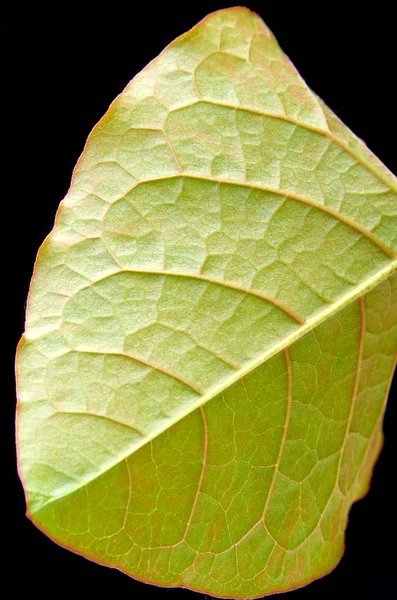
x=211, y=328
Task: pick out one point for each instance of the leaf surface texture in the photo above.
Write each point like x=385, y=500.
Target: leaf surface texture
x=211, y=327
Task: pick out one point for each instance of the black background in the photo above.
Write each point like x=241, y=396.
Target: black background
x=64, y=68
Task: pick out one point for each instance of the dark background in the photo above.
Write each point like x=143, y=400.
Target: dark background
x=64, y=68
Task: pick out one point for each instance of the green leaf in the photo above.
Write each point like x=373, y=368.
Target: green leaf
x=211, y=328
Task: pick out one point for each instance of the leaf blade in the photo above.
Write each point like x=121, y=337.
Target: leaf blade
x=84, y=252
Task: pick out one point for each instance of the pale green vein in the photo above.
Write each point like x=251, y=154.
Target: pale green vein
x=202, y=472
x=360, y=353
x=378, y=422
x=278, y=461
x=227, y=284
x=105, y=417
x=284, y=436
x=190, y=336
x=293, y=196
x=324, y=132
x=188, y=383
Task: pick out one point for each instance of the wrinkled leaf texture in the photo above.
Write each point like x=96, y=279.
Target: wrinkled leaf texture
x=211, y=326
